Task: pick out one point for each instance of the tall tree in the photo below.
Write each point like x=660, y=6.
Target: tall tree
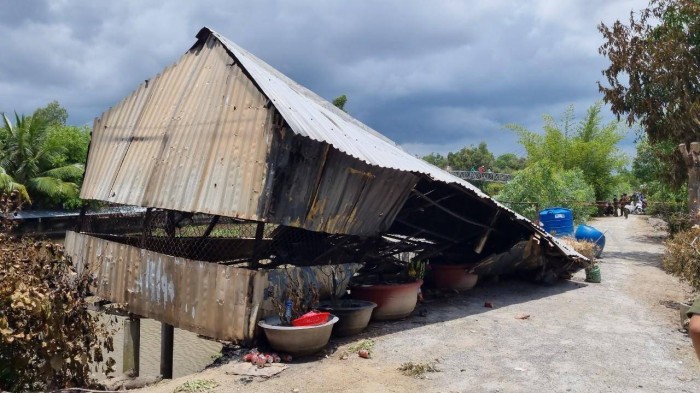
x=587, y=145
x=509, y=163
x=52, y=114
x=436, y=159
x=471, y=158
x=654, y=79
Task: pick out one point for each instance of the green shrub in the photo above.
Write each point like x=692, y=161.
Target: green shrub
x=542, y=185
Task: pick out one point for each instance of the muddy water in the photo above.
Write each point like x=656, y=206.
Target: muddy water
x=191, y=353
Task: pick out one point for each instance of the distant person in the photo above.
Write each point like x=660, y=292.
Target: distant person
x=616, y=205
x=694, y=326
x=608, y=209
x=481, y=169
x=624, y=201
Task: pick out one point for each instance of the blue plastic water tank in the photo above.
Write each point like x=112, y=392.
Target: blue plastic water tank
x=590, y=234
x=558, y=221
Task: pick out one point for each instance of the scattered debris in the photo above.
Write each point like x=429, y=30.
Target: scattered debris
x=344, y=356
x=262, y=359
x=196, y=386
x=251, y=370
x=522, y=316
x=363, y=353
x=488, y=305
x=418, y=370
x=126, y=382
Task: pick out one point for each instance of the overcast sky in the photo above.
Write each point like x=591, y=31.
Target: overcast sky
x=431, y=75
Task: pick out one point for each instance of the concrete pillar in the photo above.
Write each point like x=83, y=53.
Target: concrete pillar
x=132, y=343
x=167, y=335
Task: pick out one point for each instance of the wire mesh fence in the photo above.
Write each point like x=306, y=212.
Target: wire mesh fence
x=233, y=241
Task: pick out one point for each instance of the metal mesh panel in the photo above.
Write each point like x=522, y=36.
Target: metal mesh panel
x=228, y=240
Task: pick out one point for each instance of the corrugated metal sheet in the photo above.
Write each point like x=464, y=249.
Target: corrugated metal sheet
x=311, y=116
x=198, y=137
x=206, y=298
x=194, y=138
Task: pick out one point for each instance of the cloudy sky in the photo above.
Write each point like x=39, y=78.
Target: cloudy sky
x=431, y=75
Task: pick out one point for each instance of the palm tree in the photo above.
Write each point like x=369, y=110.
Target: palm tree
x=29, y=161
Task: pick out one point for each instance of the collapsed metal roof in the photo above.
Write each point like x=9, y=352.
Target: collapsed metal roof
x=221, y=132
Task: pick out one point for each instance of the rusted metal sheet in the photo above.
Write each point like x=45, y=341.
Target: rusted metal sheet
x=222, y=132
x=315, y=187
x=206, y=298
x=194, y=138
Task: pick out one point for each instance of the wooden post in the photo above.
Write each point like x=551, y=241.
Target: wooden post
x=259, y=233
x=167, y=334
x=482, y=242
x=132, y=343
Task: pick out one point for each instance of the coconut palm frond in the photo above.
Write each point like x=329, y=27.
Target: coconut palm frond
x=53, y=187
x=8, y=184
x=71, y=173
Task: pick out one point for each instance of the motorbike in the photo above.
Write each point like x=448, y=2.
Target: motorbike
x=636, y=208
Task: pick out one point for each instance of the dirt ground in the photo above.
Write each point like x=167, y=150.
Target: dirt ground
x=616, y=336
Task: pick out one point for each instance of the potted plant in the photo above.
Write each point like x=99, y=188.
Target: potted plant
x=395, y=291
x=353, y=314
x=280, y=330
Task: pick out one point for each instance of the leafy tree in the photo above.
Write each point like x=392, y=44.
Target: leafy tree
x=586, y=145
x=52, y=114
x=544, y=184
x=340, y=102
x=31, y=158
x=471, y=157
x=653, y=78
x=436, y=159
x=70, y=143
x=509, y=163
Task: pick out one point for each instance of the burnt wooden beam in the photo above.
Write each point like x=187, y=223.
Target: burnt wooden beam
x=482, y=242
x=210, y=227
x=331, y=250
x=259, y=232
x=436, y=234
x=450, y=212
x=145, y=225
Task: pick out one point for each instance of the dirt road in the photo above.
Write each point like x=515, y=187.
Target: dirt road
x=616, y=336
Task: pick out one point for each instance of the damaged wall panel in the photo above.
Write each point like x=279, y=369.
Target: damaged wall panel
x=206, y=298
x=316, y=187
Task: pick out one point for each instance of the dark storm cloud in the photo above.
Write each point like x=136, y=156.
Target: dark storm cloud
x=433, y=76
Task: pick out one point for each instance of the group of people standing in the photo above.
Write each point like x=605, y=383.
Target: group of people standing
x=619, y=207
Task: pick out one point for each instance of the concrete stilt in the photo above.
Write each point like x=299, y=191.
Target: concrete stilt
x=167, y=335
x=132, y=343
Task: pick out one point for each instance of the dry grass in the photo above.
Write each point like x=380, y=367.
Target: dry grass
x=197, y=386
x=585, y=248
x=418, y=370
x=682, y=256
